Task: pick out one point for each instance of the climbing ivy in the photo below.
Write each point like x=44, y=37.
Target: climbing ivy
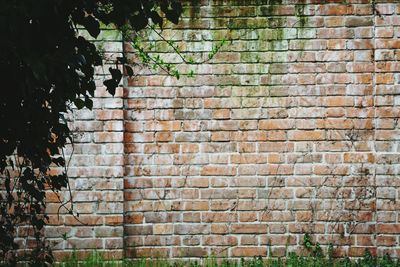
x=45, y=67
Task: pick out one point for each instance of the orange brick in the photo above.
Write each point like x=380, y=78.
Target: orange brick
x=306, y=135
x=249, y=251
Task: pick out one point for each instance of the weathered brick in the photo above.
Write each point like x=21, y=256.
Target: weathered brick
x=189, y=252
x=249, y=251
x=290, y=128
x=249, y=228
x=358, y=21
x=306, y=135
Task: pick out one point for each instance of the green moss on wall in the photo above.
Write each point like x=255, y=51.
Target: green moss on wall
x=303, y=19
x=194, y=9
x=269, y=8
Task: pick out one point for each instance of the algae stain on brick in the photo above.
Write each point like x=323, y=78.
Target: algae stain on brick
x=302, y=22
x=278, y=24
x=303, y=19
x=270, y=7
x=194, y=9
x=279, y=33
x=273, y=37
x=275, y=25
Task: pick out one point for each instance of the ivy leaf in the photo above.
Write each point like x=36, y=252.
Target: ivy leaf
x=59, y=161
x=139, y=22
x=129, y=71
x=156, y=18
x=64, y=236
x=172, y=16
x=111, y=86
x=177, y=7
x=59, y=181
x=122, y=60
x=191, y=73
x=91, y=88
x=116, y=75
x=7, y=184
x=174, y=13
x=88, y=103
x=92, y=26
x=177, y=74
x=39, y=224
x=79, y=103
x=164, y=6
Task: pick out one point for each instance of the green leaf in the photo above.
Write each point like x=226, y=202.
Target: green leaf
x=116, y=74
x=79, y=103
x=92, y=26
x=176, y=74
x=111, y=86
x=88, y=103
x=129, y=70
x=190, y=74
x=122, y=60
x=190, y=60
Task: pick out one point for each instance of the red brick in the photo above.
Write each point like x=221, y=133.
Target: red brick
x=249, y=251
x=249, y=228
x=388, y=228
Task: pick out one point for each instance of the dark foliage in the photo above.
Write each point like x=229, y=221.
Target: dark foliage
x=45, y=66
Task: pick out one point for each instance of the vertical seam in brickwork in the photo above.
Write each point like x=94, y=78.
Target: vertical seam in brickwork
x=375, y=119
x=124, y=167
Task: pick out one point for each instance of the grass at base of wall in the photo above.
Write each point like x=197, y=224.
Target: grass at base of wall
x=292, y=260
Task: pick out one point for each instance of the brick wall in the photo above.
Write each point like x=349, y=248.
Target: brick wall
x=291, y=128
x=96, y=172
